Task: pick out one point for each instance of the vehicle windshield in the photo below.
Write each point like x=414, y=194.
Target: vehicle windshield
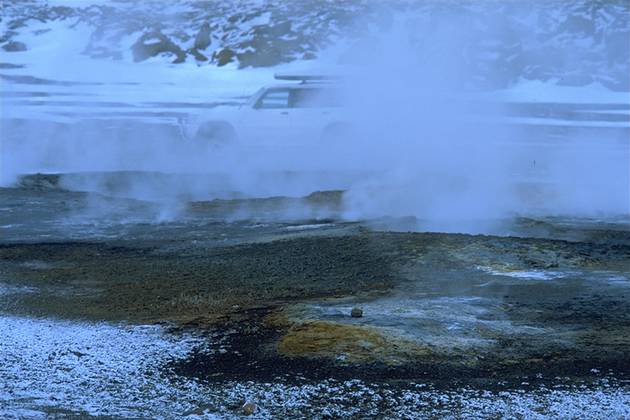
x=315, y=97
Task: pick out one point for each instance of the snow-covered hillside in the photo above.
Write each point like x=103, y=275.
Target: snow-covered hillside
x=573, y=43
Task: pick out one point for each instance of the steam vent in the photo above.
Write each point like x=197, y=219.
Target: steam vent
x=277, y=209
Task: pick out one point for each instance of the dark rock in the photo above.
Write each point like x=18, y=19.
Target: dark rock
x=61, y=12
x=276, y=30
x=356, y=313
x=153, y=43
x=202, y=41
x=11, y=66
x=198, y=56
x=41, y=31
x=180, y=36
x=17, y=24
x=7, y=36
x=223, y=57
x=39, y=181
x=248, y=408
x=270, y=45
x=260, y=58
x=14, y=46
x=262, y=52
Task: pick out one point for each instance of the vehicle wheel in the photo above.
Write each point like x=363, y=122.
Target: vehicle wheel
x=215, y=134
x=335, y=133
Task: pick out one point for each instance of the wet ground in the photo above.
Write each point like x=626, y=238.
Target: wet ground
x=115, y=306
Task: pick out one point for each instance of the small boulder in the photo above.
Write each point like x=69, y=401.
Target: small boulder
x=248, y=408
x=153, y=43
x=202, y=40
x=198, y=56
x=223, y=57
x=356, y=313
x=14, y=46
x=7, y=35
x=11, y=66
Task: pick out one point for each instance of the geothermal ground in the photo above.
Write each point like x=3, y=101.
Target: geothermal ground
x=234, y=308
x=460, y=247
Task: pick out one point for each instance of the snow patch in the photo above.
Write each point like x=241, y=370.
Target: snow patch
x=526, y=274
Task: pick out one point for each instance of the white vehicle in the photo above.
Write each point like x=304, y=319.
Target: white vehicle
x=291, y=113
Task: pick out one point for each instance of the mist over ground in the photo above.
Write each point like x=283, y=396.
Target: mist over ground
x=314, y=209
x=462, y=113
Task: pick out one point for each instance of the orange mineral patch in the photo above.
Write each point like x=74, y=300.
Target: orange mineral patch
x=350, y=343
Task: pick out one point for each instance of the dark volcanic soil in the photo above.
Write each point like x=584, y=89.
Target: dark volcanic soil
x=140, y=282
x=272, y=298
x=263, y=286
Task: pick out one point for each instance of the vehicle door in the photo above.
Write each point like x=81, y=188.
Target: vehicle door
x=268, y=121
x=313, y=108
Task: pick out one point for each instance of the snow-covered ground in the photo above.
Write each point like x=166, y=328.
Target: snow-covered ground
x=48, y=86
x=50, y=366
x=62, y=368
x=59, y=75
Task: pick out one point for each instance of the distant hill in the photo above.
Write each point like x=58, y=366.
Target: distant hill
x=570, y=42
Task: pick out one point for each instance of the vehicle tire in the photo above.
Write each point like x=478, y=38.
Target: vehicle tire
x=215, y=134
x=335, y=133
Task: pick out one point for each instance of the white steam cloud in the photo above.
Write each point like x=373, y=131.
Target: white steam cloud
x=418, y=141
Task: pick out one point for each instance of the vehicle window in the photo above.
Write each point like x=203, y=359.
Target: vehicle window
x=274, y=98
x=314, y=98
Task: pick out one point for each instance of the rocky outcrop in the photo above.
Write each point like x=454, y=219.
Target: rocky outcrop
x=269, y=45
x=202, y=40
x=504, y=41
x=14, y=46
x=223, y=57
x=154, y=43
x=197, y=55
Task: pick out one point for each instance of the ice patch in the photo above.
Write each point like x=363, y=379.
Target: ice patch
x=616, y=279
x=619, y=280
x=526, y=274
x=312, y=226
